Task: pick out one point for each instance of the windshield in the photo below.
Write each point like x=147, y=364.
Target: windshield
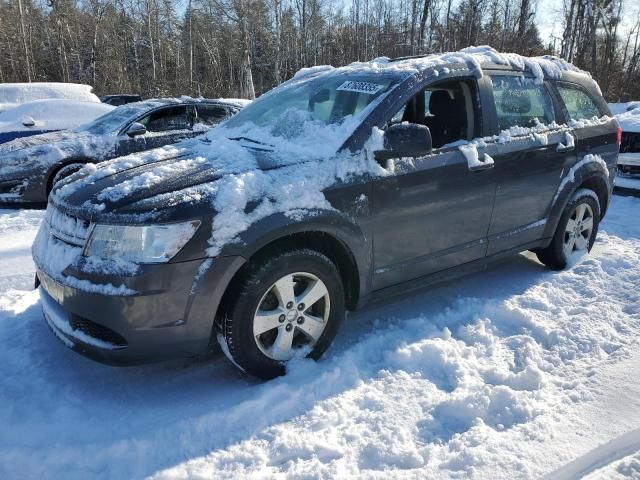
x=323, y=101
x=113, y=121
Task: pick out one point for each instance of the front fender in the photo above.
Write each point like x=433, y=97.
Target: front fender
x=330, y=222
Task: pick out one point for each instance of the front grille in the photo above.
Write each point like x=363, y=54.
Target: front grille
x=97, y=331
x=66, y=228
x=629, y=169
x=630, y=142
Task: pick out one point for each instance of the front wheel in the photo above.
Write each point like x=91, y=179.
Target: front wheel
x=287, y=305
x=576, y=230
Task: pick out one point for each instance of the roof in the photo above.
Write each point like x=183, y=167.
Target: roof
x=472, y=58
x=186, y=100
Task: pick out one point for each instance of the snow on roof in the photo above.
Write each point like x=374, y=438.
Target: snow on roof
x=628, y=115
x=12, y=94
x=474, y=58
x=51, y=114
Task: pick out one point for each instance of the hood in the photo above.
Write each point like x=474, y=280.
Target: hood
x=150, y=182
x=135, y=189
x=37, y=140
x=38, y=153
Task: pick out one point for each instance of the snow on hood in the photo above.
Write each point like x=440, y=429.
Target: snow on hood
x=51, y=115
x=39, y=152
x=628, y=115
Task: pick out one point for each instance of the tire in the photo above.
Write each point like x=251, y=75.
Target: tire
x=261, y=303
x=583, y=208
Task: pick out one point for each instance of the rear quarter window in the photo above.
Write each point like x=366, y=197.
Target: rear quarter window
x=578, y=103
x=520, y=102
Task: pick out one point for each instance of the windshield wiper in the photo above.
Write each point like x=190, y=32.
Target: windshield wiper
x=247, y=139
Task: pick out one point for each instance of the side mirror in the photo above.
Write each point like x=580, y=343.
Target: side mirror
x=28, y=121
x=136, y=129
x=405, y=140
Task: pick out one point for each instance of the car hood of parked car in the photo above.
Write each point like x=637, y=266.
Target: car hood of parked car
x=38, y=153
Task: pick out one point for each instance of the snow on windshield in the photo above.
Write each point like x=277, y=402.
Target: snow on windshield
x=51, y=115
x=312, y=117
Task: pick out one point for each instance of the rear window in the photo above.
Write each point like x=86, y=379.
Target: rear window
x=520, y=102
x=166, y=119
x=210, y=114
x=578, y=103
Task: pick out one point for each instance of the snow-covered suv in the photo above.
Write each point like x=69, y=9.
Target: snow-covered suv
x=341, y=185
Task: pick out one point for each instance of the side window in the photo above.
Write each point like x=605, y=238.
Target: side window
x=167, y=119
x=210, y=115
x=578, y=103
x=449, y=109
x=520, y=102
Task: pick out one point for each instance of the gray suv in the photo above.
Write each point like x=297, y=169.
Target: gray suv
x=339, y=186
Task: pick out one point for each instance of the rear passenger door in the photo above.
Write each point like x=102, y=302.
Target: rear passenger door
x=208, y=116
x=532, y=152
x=168, y=125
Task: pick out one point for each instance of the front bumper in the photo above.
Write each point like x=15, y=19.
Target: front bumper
x=171, y=314
x=629, y=163
x=22, y=189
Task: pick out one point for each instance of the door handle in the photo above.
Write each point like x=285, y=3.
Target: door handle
x=565, y=148
x=481, y=166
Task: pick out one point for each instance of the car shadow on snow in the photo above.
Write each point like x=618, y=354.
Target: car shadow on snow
x=167, y=413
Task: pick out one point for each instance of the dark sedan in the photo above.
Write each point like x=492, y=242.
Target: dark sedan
x=29, y=167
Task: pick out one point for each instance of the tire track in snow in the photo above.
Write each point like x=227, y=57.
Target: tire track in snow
x=599, y=457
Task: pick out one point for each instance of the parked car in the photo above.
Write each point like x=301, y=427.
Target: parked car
x=120, y=99
x=43, y=116
x=628, y=115
x=14, y=94
x=341, y=185
x=29, y=167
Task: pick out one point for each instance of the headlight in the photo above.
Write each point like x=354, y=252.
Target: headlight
x=144, y=244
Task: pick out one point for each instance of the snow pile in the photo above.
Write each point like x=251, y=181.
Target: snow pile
x=514, y=372
x=51, y=115
x=628, y=116
x=13, y=94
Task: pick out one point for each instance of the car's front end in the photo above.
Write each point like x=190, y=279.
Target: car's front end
x=133, y=258
x=130, y=291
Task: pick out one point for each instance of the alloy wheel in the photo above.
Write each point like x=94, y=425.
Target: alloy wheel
x=579, y=228
x=291, y=315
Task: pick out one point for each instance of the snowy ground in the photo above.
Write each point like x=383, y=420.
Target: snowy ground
x=514, y=373
x=628, y=182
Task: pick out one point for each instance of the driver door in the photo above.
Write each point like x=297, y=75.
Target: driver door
x=165, y=126
x=433, y=212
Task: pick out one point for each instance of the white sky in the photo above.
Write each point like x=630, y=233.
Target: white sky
x=549, y=18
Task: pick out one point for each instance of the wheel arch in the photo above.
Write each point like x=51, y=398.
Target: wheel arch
x=53, y=171
x=329, y=233
x=590, y=176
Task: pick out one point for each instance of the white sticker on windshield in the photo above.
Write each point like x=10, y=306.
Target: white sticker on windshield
x=360, y=87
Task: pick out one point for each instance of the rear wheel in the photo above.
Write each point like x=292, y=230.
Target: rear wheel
x=576, y=230
x=288, y=305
